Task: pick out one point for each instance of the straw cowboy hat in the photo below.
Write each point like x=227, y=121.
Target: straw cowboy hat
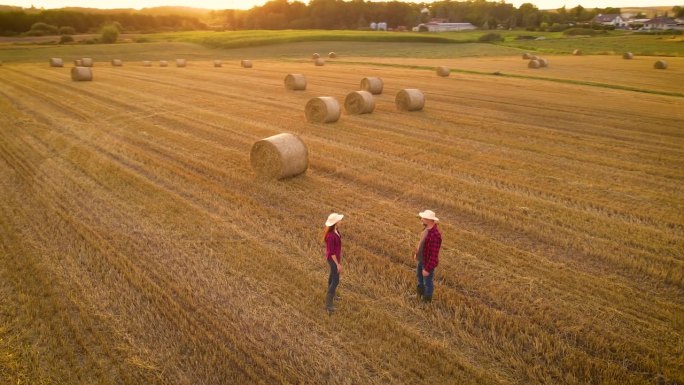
x=333, y=218
x=428, y=214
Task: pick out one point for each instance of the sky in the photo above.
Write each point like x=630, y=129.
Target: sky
x=246, y=4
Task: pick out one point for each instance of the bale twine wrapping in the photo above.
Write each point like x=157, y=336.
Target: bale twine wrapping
x=543, y=62
x=577, y=52
x=323, y=109
x=627, y=56
x=218, y=63
x=319, y=62
x=332, y=55
x=533, y=64
x=81, y=74
x=359, y=102
x=410, y=99
x=443, y=71
x=279, y=156
x=246, y=63
x=315, y=56
x=181, y=63
x=56, y=62
x=78, y=63
x=87, y=62
x=660, y=65
x=372, y=85
x=117, y=63
x=526, y=56
x=147, y=63
x=295, y=82
x=163, y=63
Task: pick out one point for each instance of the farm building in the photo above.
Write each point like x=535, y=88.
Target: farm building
x=443, y=27
x=661, y=23
x=612, y=19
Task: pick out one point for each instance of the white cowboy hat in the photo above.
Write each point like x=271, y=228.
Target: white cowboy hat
x=428, y=214
x=333, y=218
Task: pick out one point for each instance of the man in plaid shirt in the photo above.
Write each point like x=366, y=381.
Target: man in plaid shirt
x=427, y=255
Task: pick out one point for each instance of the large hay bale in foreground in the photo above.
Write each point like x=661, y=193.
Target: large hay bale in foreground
x=359, y=102
x=319, y=62
x=218, y=63
x=533, y=64
x=543, y=63
x=627, y=56
x=56, y=62
x=315, y=56
x=410, y=99
x=323, y=109
x=181, y=63
x=78, y=63
x=443, y=71
x=279, y=156
x=117, y=63
x=577, y=52
x=372, y=84
x=332, y=55
x=147, y=63
x=163, y=63
x=295, y=82
x=526, y=56
x=660, y=65
x=87, y=62
x=81, y=74
x=246, y=63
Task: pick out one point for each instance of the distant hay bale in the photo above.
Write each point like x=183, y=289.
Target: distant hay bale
x=181, y=63
x=359, y=102
x=147, y=63
x=526, y=56
x=78, y=63
x=323, y=109
x=56, y=62
x=534, y=57
x=163, y=63
x=279, y=156
x=315, y=56
x=218, y=63
x=410, y=99
x=533, y=64
x=627, y=56
x=332, y=55
x=543, y=63
x=117, y=63
x=246, y=63
x=577, y=52
x=372, y=84
x=87, y=62
x=295, y=82
x=660, y=65
x=320, y=62
x=443, y=71
x=81, y=74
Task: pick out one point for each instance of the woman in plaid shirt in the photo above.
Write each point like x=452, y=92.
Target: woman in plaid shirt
x=427, y=255
x=333, y=253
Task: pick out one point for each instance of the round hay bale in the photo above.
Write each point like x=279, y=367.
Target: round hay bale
x=78, y=63
x=163, y=63
x=359, y=102
x=372, y=85
x=81, y=74
x=147, y=63
x=534, y=57
x=320, y=62
x=246, y=63
x=660, y=65
x=279, y=156
x=295, y=82
x=315, y=56
x=332, y=55
x=117, y=63
x=181, y=63
x=627, y=56
x=526, y=56
x=410, y=99
x=543, y=63
x=443, y=71
x=323, y=109
x=533, y=64
x=56, y=62
x=577, y=52
x=218, y=63
x=87, y=62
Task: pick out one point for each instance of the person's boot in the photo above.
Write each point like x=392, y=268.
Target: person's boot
x=420, y=290
x=426, y=300
x=329, y=304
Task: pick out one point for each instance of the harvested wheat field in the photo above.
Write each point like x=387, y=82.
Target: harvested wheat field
x=138, y=246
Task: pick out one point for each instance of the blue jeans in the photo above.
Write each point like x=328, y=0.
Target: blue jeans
x=425, y=284
x=333, y=281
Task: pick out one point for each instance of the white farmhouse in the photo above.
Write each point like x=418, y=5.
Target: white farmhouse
x=443, y=27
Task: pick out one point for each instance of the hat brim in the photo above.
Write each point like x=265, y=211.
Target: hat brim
x=333, y=221
x=422, y=215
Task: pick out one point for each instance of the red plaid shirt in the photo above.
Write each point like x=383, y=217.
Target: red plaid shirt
x=333, y=246
x=433, y=241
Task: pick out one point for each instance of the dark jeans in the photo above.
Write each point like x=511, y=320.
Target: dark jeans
x=333, y=281
x=425, y=284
